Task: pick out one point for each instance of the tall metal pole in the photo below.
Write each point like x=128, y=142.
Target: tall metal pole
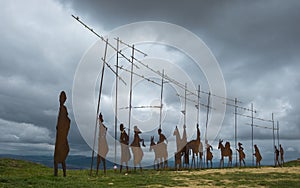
x=98, y=106
x=207, y=113
x=235, y=130
x=198, y=106
x=278, y=133
x=130, y=93
x=185, y=104
x=116, y=100
x=198, y=118
x=273, y=138
x=161, y=99
x=252, y=133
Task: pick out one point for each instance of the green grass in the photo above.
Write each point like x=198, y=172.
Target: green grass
x=17, y=173
x=292, y=163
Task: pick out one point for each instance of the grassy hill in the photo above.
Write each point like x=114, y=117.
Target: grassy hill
x=18, y=173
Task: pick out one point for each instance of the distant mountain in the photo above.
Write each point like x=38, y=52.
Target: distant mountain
x=84, y=162
x=73, y=161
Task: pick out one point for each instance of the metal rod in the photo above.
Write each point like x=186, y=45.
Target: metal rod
x=260, y=126
x=207, y=113
x=185, y=104
x=77, y=18
x=157, y=72
x=138, y=75
x=128, y=45
x=98, y=106
x=178, y=83
x=130, y=94
x=140, y=107
x=278, y=133
x=103, y=60
x=274, y=139
x=102, y=38
x=256, y=118
x=206, y=124
x=161, y=99
x=252, y=133
x=194, y=101
x=239, y=107
x=171, y=80
x=198, y=119
x=198, y=105
x=235, y=130
x=116, y=101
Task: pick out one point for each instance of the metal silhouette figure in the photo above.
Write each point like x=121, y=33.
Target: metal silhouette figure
x=62, y=129
x=225, y=152
x=242, y=155
x=194, y=146
x=281, y=155
x=160, y=154
x=125, y=153
x=136, y=148
x=181, y=149
x=257, y=155
x=186, y=153
x=163, y=148
x=201, y=154
x=102, y=145
x=209, y=155
x=157, y=155
x=276, y=156
x=160, y=150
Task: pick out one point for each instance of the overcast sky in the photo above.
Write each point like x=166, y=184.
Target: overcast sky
x=256, y=44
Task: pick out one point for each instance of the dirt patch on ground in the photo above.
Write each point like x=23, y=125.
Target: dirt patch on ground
x=229, y=177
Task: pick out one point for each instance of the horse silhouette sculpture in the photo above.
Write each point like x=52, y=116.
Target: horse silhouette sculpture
x=102, y=145
x=181, y=149
x=225, y=152
x=257, y=155
x=185, y=152
x=200, y=154
x=161, y=154
x=209, y=155
x=194, y=146
x=242, y=155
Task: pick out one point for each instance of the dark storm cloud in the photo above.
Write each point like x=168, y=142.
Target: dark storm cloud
x=255, y=42
x=247, y=34
x=38, y=60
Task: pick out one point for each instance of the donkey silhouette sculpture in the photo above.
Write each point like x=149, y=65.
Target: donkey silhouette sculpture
x=209, y=155
x=160, y=154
